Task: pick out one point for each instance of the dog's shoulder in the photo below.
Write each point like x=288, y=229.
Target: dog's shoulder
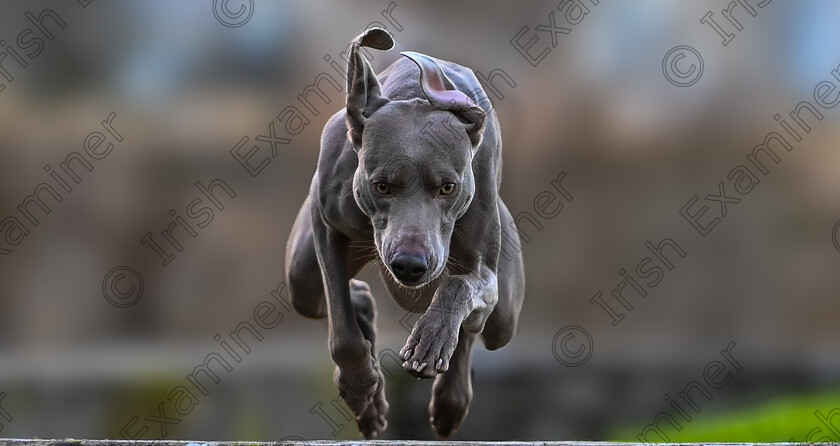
x=335, y=147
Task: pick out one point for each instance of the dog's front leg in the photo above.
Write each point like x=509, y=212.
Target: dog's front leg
x=357, y=374
x=461, y=300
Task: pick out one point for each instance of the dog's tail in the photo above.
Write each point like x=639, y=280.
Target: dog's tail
x=364, y=95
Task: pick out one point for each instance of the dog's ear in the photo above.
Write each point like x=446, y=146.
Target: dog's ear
x=364, y=95
x=441, y=92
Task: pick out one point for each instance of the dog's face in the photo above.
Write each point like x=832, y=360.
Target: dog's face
x=414, y=185
x=414, y=178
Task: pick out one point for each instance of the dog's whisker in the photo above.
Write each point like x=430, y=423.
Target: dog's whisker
x=364, y=258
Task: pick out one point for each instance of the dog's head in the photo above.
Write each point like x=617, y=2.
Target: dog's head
x=414, y=178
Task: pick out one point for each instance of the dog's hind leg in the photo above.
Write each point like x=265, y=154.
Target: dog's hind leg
x=372, y=421
x=452, y=390
x=501, y=325
x=303, y=275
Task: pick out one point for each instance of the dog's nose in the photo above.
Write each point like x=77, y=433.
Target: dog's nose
x=409, y=267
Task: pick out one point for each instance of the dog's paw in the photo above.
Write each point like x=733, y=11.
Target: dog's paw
x=447, y=412
x=372, y=421
x=451, y=397
x=430, y=345
x=358, y=388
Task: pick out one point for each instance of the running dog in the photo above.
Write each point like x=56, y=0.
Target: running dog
x=408, y=177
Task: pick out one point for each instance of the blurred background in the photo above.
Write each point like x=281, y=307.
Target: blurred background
x=86, y=351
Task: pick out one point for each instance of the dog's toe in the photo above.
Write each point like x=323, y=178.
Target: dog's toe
x=429, y=347
x=372, y=421
x=359, y=388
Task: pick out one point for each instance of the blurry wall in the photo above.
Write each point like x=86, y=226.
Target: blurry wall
x=117, y=117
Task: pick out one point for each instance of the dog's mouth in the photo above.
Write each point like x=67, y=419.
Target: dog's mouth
x=410, y=283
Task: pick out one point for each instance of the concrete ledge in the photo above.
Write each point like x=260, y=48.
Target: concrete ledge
x=297, y=441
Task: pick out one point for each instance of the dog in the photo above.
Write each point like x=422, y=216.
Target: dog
x=408, y=177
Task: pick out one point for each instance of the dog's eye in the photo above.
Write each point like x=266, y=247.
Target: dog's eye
x=447, y=188
x=381, y=188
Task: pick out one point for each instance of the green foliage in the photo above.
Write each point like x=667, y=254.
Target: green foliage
x=792, y=418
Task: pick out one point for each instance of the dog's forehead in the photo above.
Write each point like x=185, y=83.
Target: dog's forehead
x=418, y=130
x=412, y=120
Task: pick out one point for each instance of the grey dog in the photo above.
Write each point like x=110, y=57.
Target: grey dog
x=408, y=176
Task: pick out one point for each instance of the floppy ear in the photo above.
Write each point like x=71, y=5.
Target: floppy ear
x=441, y=92
x=363, y=92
